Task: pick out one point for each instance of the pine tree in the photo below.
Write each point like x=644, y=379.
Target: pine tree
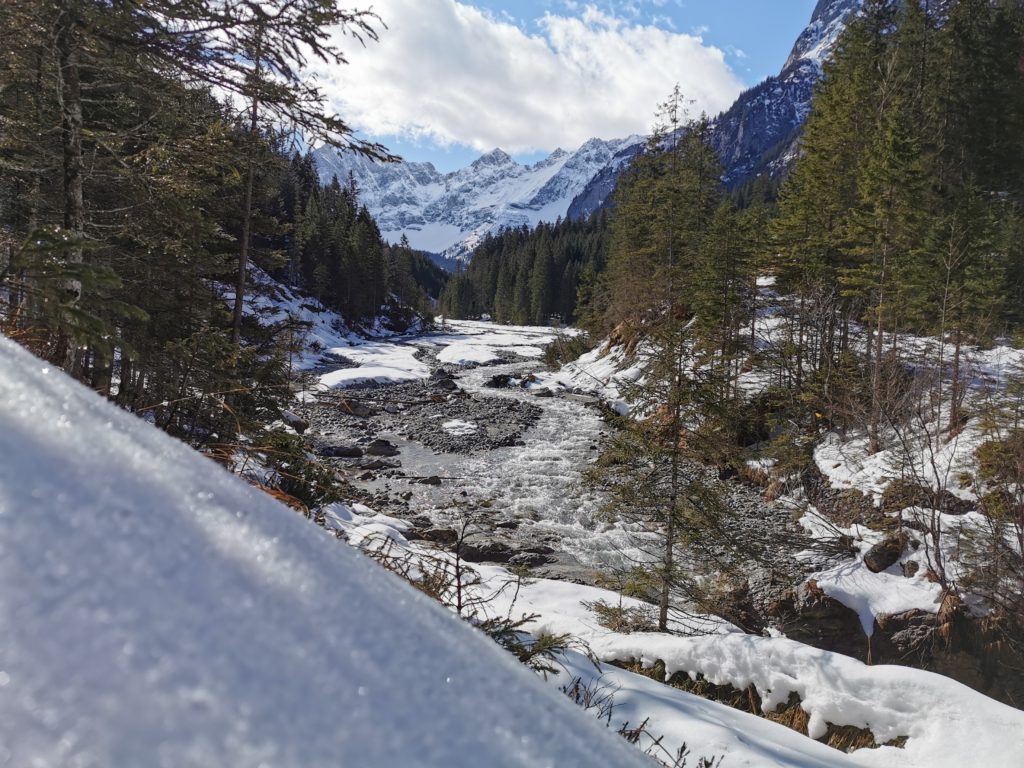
x=661, y=235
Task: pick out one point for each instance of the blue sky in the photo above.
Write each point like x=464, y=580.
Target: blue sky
x=450, y=79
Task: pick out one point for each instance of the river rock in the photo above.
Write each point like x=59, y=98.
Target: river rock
x=381, y=447
x=498, y=381
x=530, y=559
x=294, y=421
x=376, y=464
x=442, y=536
x=355, y=408
x=486, y=552
x=341, y=452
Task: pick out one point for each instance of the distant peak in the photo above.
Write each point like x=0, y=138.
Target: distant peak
x=494, y=157
x=558, y=154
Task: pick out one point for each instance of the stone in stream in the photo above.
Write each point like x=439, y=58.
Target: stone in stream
x=442, y=536
x=341, y=452
x=543, y=392
x=486, y=552
x=381, y=447
x=355, y=408
x=442, y=379
x=432, y=480
x=376, y=464
x=498, y=381
x=530, y=559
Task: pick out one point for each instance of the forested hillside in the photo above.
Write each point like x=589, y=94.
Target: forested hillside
x=849, y=329
x=531, y=276
x=151, y=156
x=912, y=154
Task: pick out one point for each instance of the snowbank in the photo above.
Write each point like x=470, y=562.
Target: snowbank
x=472, y=342
x=155, y=610
x=375, y=362
x=947, y=724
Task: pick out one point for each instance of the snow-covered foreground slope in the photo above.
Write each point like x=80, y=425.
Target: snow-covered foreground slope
x=155, y=610
x=945, y=724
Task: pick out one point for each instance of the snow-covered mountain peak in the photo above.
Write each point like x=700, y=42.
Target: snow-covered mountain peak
x=819, y=37
x=496, y=157
x=450, y=213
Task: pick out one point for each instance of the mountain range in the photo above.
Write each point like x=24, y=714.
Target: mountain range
x=448, y=214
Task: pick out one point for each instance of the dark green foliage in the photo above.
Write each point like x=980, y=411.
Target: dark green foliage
x=903, y=213
x=129, y=193
x=565, y=349
x=530, y=277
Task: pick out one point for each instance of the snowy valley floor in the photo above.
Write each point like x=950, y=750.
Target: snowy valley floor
x=532, y=495
x=155, y=611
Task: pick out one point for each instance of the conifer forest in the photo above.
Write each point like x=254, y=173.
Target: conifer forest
x=318, y=450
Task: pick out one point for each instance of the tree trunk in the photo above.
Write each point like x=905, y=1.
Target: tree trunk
x=67, y=43
x=250, y=178
x=955, y=389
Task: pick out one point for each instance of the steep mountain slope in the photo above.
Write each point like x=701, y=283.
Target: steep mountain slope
x=448, y=214
x=759, y=131
x=155, y=610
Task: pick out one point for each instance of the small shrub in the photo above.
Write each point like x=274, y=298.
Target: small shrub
x=1002, y=461
x=565, y=348
x=902, y=493
x=851, y=506
x=619, y=618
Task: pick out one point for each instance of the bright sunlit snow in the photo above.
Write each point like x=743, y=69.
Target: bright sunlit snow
x=947, y=724
x=156, y=611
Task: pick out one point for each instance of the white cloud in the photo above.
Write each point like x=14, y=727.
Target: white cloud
x=446, y=72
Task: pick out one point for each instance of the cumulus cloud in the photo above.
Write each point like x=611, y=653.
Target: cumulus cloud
x=449, y=73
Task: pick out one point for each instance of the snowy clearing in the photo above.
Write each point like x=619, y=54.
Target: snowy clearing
x=395, y=360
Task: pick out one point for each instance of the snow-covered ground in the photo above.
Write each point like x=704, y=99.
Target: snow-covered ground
x=944, y=722
x=157, y=611
x=397, y=359
x=539, y=482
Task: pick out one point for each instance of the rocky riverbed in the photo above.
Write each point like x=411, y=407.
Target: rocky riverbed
x=488, y=441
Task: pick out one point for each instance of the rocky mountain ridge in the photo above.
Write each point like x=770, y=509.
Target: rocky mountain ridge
x=759, y=132
x=448, y=214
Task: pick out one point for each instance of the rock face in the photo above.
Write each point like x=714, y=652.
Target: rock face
x=448, y=214
x=759, y=132
x=810, y=616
